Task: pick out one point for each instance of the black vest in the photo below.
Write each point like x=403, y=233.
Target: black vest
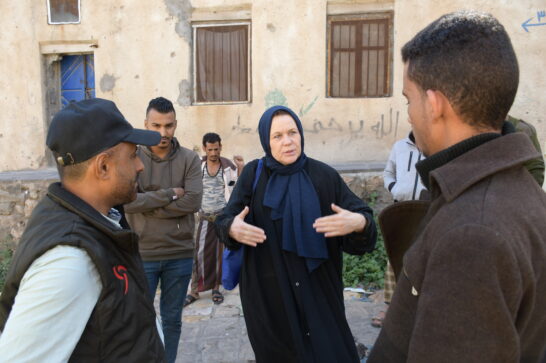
x=122, y=326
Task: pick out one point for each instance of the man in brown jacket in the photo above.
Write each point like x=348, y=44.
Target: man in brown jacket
x=473, y=283
x=169, y=193
x=535, y=166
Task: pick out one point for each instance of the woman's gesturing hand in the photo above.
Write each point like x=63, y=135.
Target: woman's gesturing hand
x=341, y=223
x=245, y=233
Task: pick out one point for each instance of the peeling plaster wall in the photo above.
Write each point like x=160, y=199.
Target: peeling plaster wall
x=144, y=51
x=107, y=83
x=182, y=11
x=21, y=129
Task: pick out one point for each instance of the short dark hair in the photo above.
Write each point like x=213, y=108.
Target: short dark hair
x=73, y=171
x=469, y=57
x=161, y=105
x=211, y=138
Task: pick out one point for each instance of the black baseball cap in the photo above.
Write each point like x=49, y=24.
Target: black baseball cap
x=83, y=129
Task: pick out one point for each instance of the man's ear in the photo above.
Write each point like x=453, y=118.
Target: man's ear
x=439, y=104
x=102, y=166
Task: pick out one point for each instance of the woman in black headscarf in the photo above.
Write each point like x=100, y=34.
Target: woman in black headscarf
x=295, y=222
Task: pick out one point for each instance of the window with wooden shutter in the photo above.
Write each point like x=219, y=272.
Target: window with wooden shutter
x=221, y=63
x=63, y=11
x=360, y=60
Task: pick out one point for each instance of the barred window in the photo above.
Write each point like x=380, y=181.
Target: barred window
x=63, y=11
x=360, y=58
x=221, y=63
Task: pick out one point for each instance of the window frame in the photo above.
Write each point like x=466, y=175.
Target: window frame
x=197, y=25
x=387, y=16
x=49, y=21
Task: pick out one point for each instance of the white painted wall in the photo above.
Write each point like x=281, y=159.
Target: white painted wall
x=144, y=51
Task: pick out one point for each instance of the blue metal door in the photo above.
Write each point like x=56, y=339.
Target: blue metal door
x=77, y=78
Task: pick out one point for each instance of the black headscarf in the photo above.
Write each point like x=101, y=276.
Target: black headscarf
x=293, y=198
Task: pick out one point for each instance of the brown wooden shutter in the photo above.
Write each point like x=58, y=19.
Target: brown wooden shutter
x=359, y=58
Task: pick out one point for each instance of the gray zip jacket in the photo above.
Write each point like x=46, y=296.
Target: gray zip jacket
x=400, y=176
x=164, y=224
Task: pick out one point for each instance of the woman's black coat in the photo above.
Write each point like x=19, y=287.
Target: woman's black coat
x=292, y=315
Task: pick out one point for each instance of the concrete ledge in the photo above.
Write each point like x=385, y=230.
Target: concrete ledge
x=29, y=175
x=359, y=167
x=51, y=173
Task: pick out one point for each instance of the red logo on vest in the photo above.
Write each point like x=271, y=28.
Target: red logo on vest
x=120, y=272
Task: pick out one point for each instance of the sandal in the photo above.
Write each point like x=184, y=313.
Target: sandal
x=377, y=321
x=217, y=297
x=190, y=299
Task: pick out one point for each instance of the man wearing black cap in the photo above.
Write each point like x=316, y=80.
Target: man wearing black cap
x=76, y=289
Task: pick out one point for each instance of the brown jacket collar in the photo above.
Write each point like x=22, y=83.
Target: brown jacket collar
x=479, y=163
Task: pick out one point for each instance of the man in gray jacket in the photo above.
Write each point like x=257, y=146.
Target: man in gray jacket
x=401, y=179
x=400, y=176
x=169, y=194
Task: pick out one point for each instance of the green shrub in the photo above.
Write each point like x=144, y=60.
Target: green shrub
x=5, y=260
x=366, y=271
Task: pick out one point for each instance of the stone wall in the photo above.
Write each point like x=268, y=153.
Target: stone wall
x=369, y=187
x=21, y=191
x=19, y=194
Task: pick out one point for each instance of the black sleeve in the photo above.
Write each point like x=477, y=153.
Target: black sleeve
x=356, y=243
x=240, y=197
x=391, y=185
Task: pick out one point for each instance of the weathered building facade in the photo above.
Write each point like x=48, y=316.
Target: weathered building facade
x=222, y=62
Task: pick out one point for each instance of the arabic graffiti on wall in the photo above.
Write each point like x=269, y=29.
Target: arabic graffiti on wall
x=242, y=129
x=385, y=125
x=381, y=129
x=539, y=22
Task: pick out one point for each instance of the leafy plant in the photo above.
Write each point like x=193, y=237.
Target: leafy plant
x=5, y=260
x=366, y=271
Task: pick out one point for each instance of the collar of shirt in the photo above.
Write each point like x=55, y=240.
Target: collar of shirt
x=114, y=216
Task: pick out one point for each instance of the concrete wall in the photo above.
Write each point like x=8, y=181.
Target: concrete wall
x=142, y=50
